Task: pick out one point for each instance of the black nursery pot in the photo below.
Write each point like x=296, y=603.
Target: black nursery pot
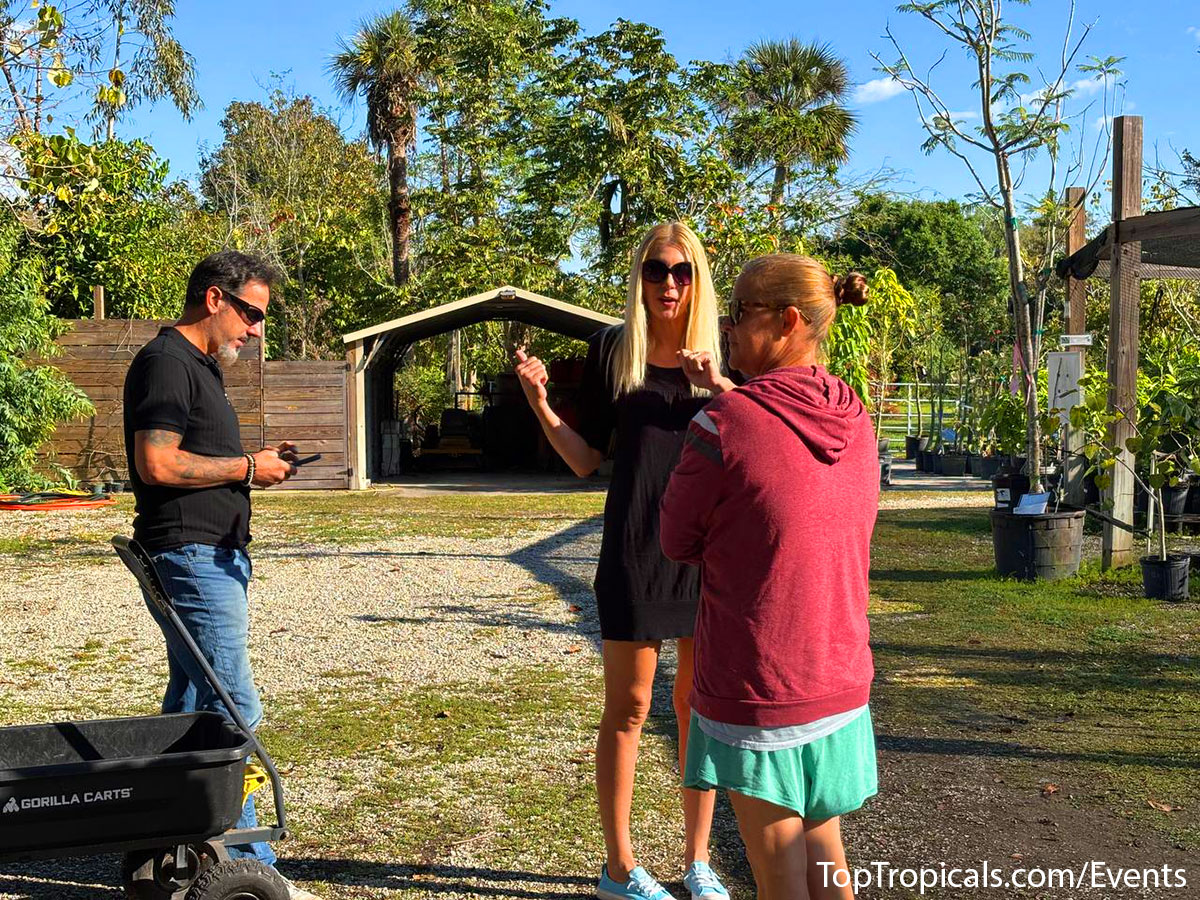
x=1166, y=579
x=1175, y=500
x=954, y=464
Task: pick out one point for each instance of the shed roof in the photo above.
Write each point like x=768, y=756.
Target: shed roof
x=505, y=303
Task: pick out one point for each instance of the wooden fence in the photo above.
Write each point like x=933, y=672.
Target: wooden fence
x=304, y=402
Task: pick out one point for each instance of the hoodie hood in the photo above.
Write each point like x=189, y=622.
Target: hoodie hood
x=821, y=409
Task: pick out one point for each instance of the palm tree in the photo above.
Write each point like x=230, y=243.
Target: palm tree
x=380, y=62
x=791, y=109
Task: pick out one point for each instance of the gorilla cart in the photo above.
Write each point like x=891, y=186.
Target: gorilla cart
x=163, y=790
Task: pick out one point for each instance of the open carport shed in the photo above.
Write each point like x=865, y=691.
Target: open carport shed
x=373, y=355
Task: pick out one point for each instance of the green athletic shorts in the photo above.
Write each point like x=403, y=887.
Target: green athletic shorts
x=831, y=776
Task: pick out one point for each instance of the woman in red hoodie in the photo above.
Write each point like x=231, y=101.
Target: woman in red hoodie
x=775, y=497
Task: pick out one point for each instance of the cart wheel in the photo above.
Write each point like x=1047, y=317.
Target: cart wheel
x=239, y=879
x=151, y=874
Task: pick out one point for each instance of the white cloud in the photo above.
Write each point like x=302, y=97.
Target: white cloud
x=965, y=115
x=1086, y=87
x=878, y=89
x=1194, y=32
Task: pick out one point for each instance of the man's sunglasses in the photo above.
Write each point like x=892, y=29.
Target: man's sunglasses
x=655, y=271
x=252, y=313
x=737, y=308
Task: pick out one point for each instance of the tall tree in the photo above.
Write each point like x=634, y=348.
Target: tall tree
x=105, y=214
x=381, y=63
x=1013, y=130
x=113, y=54
x=147, y=62
x=288, y=185
x=791, y=110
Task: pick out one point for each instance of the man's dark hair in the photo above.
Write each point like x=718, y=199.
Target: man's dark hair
x=230, y=271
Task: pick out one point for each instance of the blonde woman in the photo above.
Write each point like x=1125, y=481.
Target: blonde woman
x=635, y=385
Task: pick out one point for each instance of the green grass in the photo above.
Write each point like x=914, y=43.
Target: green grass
x=1083, y=682
x=505, y=763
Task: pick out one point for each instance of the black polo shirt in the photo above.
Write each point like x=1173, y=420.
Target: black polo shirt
x=173, y=386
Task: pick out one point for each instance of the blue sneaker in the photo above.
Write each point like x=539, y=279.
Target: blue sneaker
x=640, y=886
x=704, y=883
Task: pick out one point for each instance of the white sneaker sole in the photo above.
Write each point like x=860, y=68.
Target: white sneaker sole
x=612, y=895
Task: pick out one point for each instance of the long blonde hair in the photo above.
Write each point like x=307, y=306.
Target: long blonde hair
x=703, y=331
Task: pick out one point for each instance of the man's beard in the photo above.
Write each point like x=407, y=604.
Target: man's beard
x=227, y=355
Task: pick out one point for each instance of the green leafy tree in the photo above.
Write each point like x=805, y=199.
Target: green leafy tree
x=380, y=62
x=935, y=244
x=112, y=54
x=790, y=110
x=285, y=183
x=34, y=396
x=1013, y=130
x=103, y=214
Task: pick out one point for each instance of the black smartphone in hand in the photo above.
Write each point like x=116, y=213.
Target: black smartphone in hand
x=306, y=460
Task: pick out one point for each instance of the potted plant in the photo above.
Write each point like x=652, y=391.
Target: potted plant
x=1003, y=421
x=1165, y=438
x=1048, y=545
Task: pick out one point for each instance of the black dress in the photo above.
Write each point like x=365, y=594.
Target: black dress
x=640, y=594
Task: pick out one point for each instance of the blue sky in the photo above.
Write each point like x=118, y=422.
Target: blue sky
x=238, y=46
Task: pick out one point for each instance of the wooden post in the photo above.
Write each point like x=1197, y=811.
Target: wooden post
x=356, y=416
x=262, y=389
x=1123, y=333
x=98, y=301
x=1075, y=465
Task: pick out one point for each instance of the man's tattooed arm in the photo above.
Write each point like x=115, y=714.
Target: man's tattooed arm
x=160, y=461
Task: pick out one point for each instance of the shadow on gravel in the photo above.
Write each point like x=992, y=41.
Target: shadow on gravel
x=75, y=878
x=78, y=881
x=433, y=879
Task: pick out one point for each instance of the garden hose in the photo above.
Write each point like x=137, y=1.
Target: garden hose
x=39, y=501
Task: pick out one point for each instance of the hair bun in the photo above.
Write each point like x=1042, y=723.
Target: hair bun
x=850, y=288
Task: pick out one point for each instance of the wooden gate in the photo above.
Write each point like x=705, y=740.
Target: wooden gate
x=305, y=402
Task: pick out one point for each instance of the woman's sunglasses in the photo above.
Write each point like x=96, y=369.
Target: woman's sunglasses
x=737, y=308
x=655, y=271
x=252, y=314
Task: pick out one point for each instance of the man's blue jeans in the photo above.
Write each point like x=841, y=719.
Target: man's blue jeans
x=208, y=587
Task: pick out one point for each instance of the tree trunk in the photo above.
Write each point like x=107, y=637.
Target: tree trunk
x=777, y=188
x=23, y=123
x=1023, y=330
x=399, y=208
x=454, y=379
x=917, y=393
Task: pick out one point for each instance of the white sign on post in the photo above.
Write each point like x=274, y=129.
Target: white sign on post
x=1064, y=371
x=1075, y=340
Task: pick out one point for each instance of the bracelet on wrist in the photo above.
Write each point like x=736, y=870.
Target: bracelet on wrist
x=250, y=467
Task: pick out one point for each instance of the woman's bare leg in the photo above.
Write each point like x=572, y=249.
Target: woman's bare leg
x=823, y=843
x=628, y=686
x=775, y=845
x=697, y=805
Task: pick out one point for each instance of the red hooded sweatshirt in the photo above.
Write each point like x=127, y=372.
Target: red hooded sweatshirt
x=774, y=497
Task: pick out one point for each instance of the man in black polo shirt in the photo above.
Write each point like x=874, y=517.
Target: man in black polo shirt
x=192, y=483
